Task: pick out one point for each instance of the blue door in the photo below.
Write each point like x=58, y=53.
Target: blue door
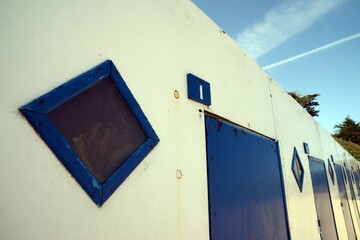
x=353, y=197
x=357, y=181
x=344, y=202
x=322, y=197
x=246, y=198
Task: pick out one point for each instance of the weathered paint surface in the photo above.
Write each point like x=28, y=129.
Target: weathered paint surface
x=154, y=45
x=246, y=198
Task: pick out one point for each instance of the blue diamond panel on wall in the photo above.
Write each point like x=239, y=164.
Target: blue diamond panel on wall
x=331, y=171
x=297, y=169
x=95, y=127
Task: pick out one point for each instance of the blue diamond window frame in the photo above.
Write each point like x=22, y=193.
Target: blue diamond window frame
x=344, y=173
x=331, y=171
x=297, y=169
x=36, y=114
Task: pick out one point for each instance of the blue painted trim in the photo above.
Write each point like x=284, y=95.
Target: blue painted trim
x=344, y=172
x=53, y=138
x=198, y=89
x=344, y=198
x=331, y=171
x=293, y=166
x=64, y=92
x=215, y=127
x=132, y=103
x=36, y=114
x=327, y=182
x=124, y=171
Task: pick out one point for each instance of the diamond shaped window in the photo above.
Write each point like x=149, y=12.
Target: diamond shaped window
x=95, y=127
x=344, y=173
x=297, y=169
x=331, y=171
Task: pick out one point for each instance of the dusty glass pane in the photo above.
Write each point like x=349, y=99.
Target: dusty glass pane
x=298, y=168
x=100, y=128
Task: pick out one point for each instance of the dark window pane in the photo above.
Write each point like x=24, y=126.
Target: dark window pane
x=297, y=170
x=100, y=128
x=298, y=167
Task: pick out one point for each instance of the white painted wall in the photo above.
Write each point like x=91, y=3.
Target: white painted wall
x=154, y=44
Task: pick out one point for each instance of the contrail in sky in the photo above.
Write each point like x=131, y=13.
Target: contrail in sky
x=316, y=50
x=282, y=22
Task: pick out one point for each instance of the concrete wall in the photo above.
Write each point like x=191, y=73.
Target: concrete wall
x=153, y=44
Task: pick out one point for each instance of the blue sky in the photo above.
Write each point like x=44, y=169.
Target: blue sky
x=309, y=46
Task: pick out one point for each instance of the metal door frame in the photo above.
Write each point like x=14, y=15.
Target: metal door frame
x=282, y=183
x=342, y=178
x=314, y=159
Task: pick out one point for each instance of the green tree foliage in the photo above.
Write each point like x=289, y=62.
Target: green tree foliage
x=308, y=102
x=348, y=130
x=352, y=148
x=347, y=134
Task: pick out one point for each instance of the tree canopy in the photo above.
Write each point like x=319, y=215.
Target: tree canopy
x=352, y=148
x=348, y=130
x=308, y=102
x=347, y=134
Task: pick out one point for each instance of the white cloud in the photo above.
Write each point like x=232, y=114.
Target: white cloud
x=281, y=23
x=316, y=50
